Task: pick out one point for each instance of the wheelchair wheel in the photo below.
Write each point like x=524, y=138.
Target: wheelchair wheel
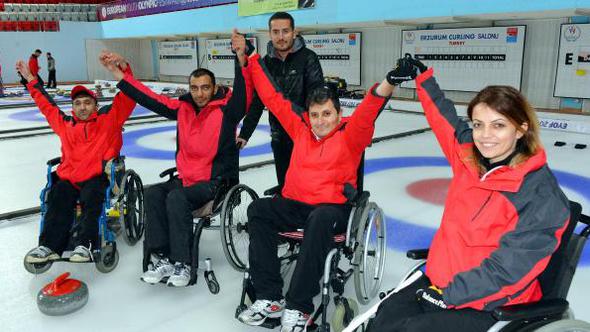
x=107, y=259
x=346, y=309
x=36, y=268
x=369, y=256
x=566, y=325
x=234, y=225
x=131, y=213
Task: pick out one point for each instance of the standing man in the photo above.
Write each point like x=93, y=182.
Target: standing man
x=297, y=71
x=33, y=68
x=51, y=82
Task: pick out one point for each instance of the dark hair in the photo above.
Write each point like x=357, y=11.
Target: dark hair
x=282, y=16
x=510, y=103
x=202, y=72
x=38, y=51
x=322, y=94
x=48, y=53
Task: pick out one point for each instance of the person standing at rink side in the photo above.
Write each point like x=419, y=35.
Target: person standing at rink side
x=33, y=68
x=297, y=71
x=51, y=82
x=207, y=160
x=504, y=215
x=321, y=179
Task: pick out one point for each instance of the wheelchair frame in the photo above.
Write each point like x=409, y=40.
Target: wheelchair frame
x=222, y=205
x=115, y=215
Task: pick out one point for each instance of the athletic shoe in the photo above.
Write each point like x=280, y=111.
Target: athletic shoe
x=260, y=310
x=81, y=254
x=294, y=321
x=158, y=271
x=180, y=276
x=41, y=254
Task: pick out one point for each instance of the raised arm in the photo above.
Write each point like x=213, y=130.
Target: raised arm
x=450, y=130
x=243, y=88
x=268, y=92
x=54, y=115
x=361, y=126
x=122, y=105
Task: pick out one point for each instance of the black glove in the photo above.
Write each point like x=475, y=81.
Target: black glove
x=431, y=297
x=404, y=71
x=418, y=64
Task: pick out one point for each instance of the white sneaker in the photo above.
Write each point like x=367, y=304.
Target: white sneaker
x=81, y=254
x=41, y=254
x=294, y=321
x=157, y=271
x=260, y=310
x=180, y=276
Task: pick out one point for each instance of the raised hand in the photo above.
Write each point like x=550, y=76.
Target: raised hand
x=238, y=45
x=405, y=70
x=23, y=69
x=113, y=62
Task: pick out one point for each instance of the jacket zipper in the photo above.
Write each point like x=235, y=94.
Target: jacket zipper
x=85, y=132
x=482, y=206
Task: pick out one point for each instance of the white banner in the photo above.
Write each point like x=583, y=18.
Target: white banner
x=573, y=63
x=340, y=54
x=220, y=59
x=469, y=59
x=178, y=57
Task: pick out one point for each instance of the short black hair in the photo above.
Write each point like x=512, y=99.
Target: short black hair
x=282, y=16
x=202, y=72
x=38, y=51
x=322, y=94
x=48, y=53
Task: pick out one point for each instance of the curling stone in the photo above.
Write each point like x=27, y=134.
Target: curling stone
x=62, y=296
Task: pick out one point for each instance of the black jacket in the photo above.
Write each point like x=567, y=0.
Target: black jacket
x=299, y=74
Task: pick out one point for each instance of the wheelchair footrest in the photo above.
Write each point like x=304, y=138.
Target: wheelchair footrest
x=271, y=323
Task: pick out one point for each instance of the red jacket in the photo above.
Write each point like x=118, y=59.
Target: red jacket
x=499, y=230
x=319, y=168
x=85, y=145
x=34, y=65
x=206, y=137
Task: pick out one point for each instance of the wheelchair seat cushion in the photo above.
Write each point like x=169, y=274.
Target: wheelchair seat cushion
x=298, y=235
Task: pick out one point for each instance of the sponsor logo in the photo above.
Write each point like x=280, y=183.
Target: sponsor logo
x=511, y=35
x=572, y=33
x=409, y=37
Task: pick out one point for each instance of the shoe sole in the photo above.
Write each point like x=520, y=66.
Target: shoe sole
x=33, y=260
x=260, y=322
x=78, y=259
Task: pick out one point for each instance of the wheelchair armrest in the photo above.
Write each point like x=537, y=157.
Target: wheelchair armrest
x=54, y=161
x=417, y=253
x=543, y=308
x=169, y=171
x=271, y=191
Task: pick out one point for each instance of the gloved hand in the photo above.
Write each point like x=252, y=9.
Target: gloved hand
x=418, y=64
x=404, y=71
x=431, y=297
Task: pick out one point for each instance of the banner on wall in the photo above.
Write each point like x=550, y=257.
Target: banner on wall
x=220, y=59
x=257, y=7
x=573, y=63
x=133, y=8
x=339, y=54
x=469, y=59
x=178, y=57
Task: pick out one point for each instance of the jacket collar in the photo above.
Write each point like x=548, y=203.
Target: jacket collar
x=298, y=44
x=506, y=178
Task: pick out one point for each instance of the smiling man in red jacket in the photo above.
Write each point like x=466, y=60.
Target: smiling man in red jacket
x=326, y=155
x=89, y=138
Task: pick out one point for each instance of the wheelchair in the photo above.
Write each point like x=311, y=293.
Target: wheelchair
x=364, y=245
x=122, y=212
x=226, y=208
x=552, y=313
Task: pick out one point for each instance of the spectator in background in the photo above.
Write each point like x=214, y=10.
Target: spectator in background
x=33, y=68
x=51, y=82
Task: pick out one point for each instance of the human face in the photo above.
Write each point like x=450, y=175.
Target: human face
x=323, y=118
x=494, y=135
x=282, y=35
x=83, y=107
x=202, y=89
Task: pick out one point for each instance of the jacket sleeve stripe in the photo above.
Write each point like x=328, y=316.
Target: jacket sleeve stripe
x=54, y=115
x=159, y=104
x=241, y=97
x=524, y=252
x=442, y=115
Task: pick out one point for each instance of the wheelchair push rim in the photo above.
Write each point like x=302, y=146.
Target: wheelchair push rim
x=370, y=253
x=234, y=225
x=131, y=210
